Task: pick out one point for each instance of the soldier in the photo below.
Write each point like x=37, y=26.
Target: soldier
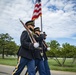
x=46, y=48
x=25, y=53
x=39, y=62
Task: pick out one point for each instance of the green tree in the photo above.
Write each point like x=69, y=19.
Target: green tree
x=55, y=50
x=11, y=48
x=68, y=51
x=4, y=38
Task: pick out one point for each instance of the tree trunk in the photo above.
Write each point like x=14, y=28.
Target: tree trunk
x=3, y=54
x=73, y=61
x=63, y=61
x=57, y=60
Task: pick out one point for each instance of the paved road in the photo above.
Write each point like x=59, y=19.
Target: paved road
x=7, y=70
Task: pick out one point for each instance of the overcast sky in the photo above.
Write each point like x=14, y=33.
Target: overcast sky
x=58, y=18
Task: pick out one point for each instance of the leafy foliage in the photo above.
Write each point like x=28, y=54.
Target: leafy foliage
x=7, y=46
x=66, y=51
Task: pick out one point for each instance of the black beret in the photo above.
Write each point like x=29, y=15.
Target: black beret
x=31, y=22
x=37, y=29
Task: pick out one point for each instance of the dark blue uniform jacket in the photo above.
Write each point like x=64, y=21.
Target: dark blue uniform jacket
x=26, y=49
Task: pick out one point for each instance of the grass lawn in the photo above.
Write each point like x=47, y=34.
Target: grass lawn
x=67, y=66
x=52, y=63
x=8, y=61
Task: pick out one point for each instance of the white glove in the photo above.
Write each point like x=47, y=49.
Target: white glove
x=36, y=45
x=48, y=48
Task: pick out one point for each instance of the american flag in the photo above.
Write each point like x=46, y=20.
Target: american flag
x=37, y=10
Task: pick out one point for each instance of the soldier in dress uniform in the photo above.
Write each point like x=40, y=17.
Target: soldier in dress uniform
x=39, y=61
x=25, y=53
x=46, y=48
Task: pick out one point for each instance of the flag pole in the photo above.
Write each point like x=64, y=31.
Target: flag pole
x=41, y=24
x=41, y=19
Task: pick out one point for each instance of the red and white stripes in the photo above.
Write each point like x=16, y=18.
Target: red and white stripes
x=37, y=10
